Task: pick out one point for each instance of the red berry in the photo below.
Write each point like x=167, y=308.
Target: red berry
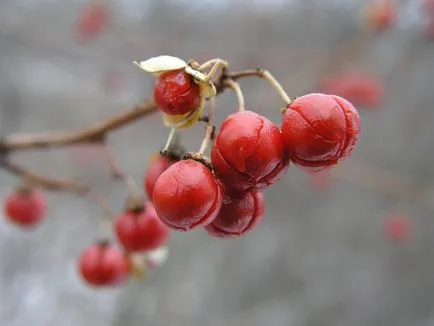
x=382, y=14
x=187, y=195
x=102, y=264
x=93, y=20
x=25, y=207
x=239, y=214
x=141, y=231
x=397, y=228
x=156, y=167
x=320, y=130
x=358, y=88
x=176, y=93
x=249, y=152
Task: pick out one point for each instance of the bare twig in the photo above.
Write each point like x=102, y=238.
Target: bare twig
x=55, y=184
x=116, y=171
x=46, y=182
x=237, y=89
x=94, y=133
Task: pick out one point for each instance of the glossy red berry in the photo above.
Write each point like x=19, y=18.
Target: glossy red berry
x=358, y=88
x=102, y=264
x=249, y=152
x=398, y=228
x=239, y=214
x=93, y=20
x=25, y=207
x=320, y=130
x=187, y=195
x=141, y=230
x=176, y=93
x=156, y=167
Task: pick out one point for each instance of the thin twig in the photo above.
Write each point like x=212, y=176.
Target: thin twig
x=116, y=171
x=209, y=128
x=46, y=182
x=94, y=133
x=55, y=184
x=264, y=74
x=237, y=89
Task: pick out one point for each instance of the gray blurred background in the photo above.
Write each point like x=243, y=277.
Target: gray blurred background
x=320, y=258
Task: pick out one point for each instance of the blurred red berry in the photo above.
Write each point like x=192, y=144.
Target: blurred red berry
x=239, y=214
x=176, y=93
x=320, y=130
x=429, y=30
x=102, y=264
x=381, y=14
x=427, y=7
x=156, y=167
x=187, y=195
x=357, y=88
x=141, y=230
x=321, y=180
x=25, y=207
x=398, y=228
x=249, y=152
x=92, y=21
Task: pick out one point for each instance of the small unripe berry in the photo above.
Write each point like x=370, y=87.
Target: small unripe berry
x=25, y=207
x=176, y=93
x=187, y=195
x=249, y=152
x=320, y=130
x=239, y=214
x=141, y=230
x=156, y=167
x=102, y=264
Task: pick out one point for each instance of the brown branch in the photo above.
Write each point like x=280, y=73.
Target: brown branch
x=94, y=133
x=46, y=182
x=55, y=184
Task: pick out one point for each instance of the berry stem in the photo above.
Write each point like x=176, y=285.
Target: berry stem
x=209, y=132
x=170, y=138
x=215, y=63
x=237, y=89
x=277, y=86
x=264, y=74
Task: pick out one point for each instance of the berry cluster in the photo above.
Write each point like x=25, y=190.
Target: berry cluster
x=221, y=193
x=250, y=153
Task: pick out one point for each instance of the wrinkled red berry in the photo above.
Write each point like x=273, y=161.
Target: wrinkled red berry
x=320, y=130
x=156, y=167
x=175, y=92
x=249, y=152
x=187, y=195
x=141, y=231
x=102, y=264
x=357, y=88
x=397, y=228
x=93, y=20
x=25, y=207
x=239, y=214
